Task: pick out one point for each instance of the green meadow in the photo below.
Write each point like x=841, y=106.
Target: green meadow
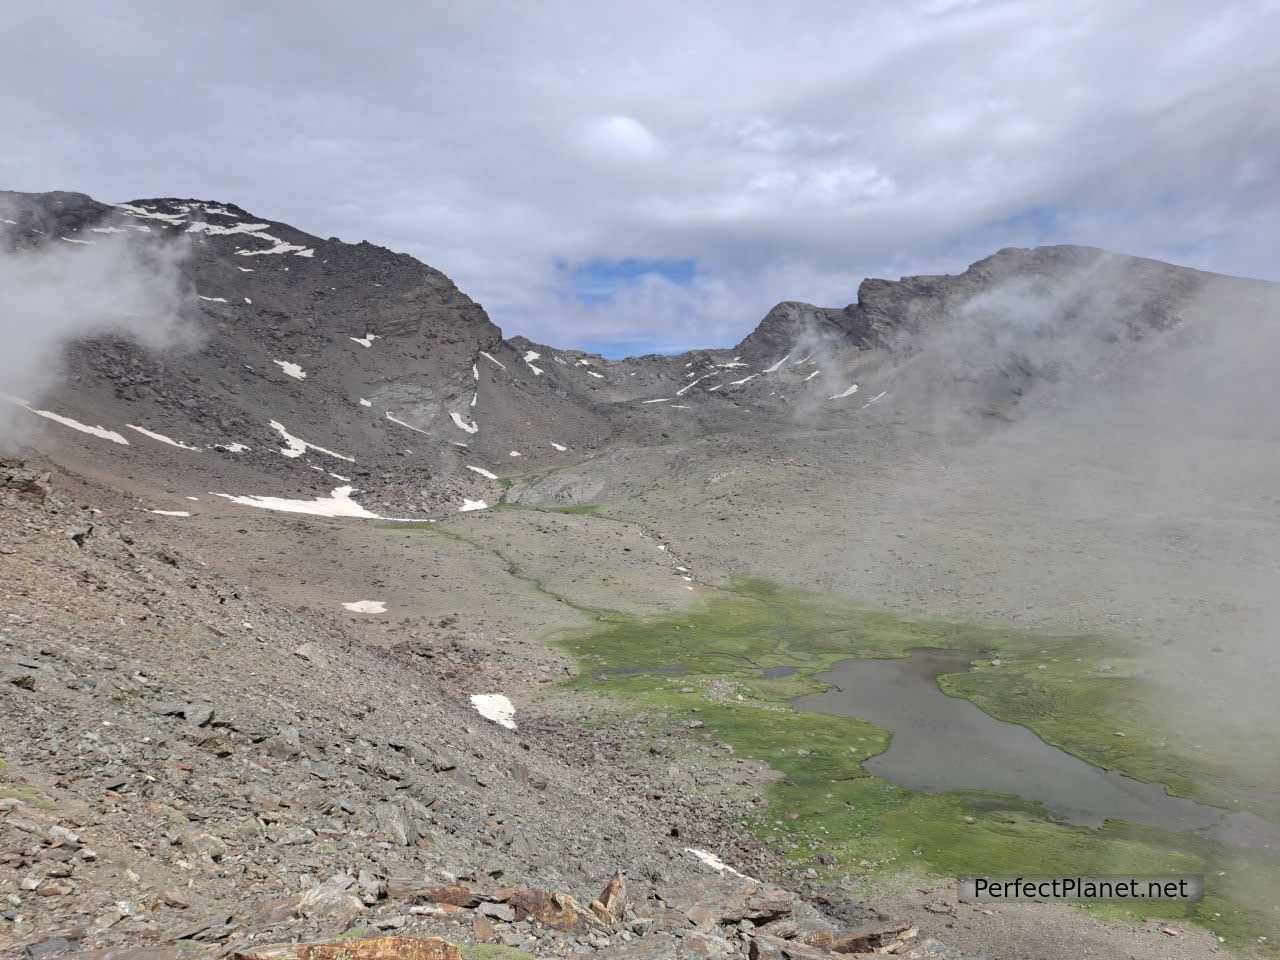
x=711, y=664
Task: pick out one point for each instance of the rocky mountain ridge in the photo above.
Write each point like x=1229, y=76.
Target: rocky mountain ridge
x=358, y=362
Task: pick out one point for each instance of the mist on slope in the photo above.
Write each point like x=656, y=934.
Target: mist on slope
x=116, y=283
x=1131, y=412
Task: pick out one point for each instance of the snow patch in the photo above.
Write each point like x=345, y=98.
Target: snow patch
x=776, y=365
x=469, y=505
x=295, y=447
x=847, y=393
x=215, y=230
x=366, y=340
x=874, y=399
x=466, y=425
x=483, y=472
x=366, y=606
x=397, y=420
x=559, y=446
x=365, y=403
x=494, y=359
x=98, y=431
x=716, y=864
x=592, y=373
x=514, y=453
x=495, y=707
x=232, y=447
x=171, y=513
x=136, y=211
x=106, y=230
x=212, y=299
x=689, y=386
x=738, y=383
x=161, y=437
x=529, y=357
x=337, y=504
x=659, y=400
x=292, y=369
x=811, y=376
x=278, y=247
x=73, y=240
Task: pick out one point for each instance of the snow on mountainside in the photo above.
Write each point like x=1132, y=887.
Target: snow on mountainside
x=322, y=366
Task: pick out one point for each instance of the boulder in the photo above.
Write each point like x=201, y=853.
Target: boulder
x=727, y=899
x=556, y=911
x=879, y=939
x=611, y=906
x=453, y=894
x=332, y=898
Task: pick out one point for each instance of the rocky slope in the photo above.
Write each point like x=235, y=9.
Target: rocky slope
x=184, y=761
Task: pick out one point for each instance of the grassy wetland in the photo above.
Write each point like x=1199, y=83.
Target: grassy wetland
x=736, y=662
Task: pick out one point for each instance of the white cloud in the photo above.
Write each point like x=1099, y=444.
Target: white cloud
x=812, y=144
x=621, y=138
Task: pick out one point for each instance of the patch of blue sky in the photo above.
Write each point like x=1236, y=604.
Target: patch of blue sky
x=619, y=349
x=599, y=281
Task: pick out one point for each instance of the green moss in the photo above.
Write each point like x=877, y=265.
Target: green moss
x=492, y=951
x=355, y=933
x=708, y=665
x=173, y=814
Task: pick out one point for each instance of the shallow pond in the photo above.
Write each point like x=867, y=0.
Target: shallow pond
x=943, y=743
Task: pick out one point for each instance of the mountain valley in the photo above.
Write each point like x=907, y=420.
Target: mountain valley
x=331, y=612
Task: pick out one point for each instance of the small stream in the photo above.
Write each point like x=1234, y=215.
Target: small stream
x=943, y=743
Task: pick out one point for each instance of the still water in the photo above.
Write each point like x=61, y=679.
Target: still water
x=943, y=743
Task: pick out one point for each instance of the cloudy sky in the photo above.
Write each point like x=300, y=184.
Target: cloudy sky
x=651, y=176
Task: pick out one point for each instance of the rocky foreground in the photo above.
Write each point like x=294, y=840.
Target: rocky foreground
x=191, y=770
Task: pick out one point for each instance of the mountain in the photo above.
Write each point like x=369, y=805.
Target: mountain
x=252, y=703
x=397, y=381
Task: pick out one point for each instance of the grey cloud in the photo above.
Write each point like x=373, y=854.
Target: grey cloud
x=112, y=284
x=816, y=143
